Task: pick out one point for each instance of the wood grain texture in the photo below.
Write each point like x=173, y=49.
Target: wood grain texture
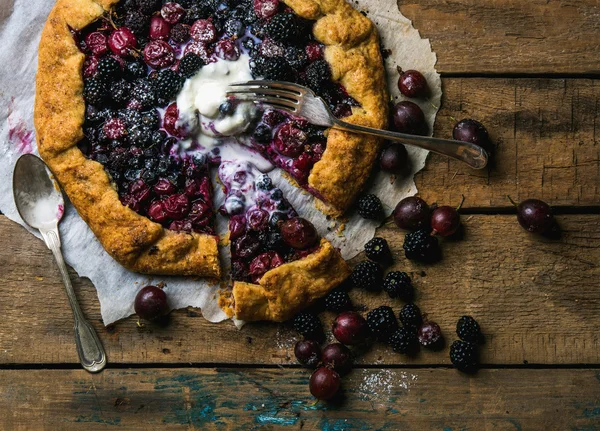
x=537, y=301
x=386, y=399
x=546, y=138
x=510, y=36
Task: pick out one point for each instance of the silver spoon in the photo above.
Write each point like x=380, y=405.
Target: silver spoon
x=40, y=204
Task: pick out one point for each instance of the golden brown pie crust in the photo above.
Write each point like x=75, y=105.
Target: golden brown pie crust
x=352, y=50
x=287, y=289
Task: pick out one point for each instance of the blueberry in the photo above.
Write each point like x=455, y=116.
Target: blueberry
x=132, y=174
x=262, y=134
x=264, y=183
x=277, y=195
x=227, y=108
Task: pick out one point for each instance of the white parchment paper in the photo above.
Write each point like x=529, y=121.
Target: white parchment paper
x=21, y=23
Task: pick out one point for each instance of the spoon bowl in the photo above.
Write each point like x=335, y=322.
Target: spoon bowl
x=37, y=196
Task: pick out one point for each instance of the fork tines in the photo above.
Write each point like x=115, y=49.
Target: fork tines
x=286, y=96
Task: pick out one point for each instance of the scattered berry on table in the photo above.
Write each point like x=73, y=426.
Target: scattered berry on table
x=382, y=322
x=308, y=325
x=338, y=300
x=464, y=356
x=151, y=303
x=404, y=341
x=468, y=329
x=430, y=334
x=412, y=83
x=370, y=207
x=377, y=250
x=338, y=357
x=350, y=328
x=535, y=216
x=445, y=220
x=324, y=383
x=397, y=284
x=407, y=117
x=308, y=353
x=410, y=316
x=394, y=158
x=412, y=213
x=421, y=246
x=367, y=275
x=472, y=131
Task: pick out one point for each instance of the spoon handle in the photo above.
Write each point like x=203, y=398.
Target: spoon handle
x=90, y=350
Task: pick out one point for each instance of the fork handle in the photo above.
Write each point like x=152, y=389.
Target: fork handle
x=473, y=155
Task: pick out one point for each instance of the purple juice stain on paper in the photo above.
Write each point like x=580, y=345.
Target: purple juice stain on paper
x=18, y=134
x=60, y=212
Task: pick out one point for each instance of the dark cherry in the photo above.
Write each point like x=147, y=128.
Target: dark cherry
x=246, y=246
x=412, y=83
x=257, y=219
x=97, y=43
x=394, y=159
x=412, y=213
x=176, y=206
x=170, y=121
x=164, y=187
x=200, y=215
x=122, y=41
x=90, y=66
x=338, y=357
x=350, y=328
x=290, y=140
x=308, y=353
x=298, y=233
x=227, y=50
x=472, y=131
x=159, y=28
x=408, y=117
x=200, y=49
x=237, y=226
x=159, y=54
x=265, y=8
x=535, y=216
x=264, y=262
x=151, y=303
x=172, y=12
x=445, y=220
x=429, y=334
x=324, y=383
x=204, y=31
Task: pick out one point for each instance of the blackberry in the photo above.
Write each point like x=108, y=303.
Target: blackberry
x=108, y=69
x=382, y=322
x=338, y=300
x=190, y=64
x=307, y=324
x=410, y=316
x=120, y=92
x=377, y=250
x=262, y=134
x=367, y=275
x=370, y=207
x=143, y=92
x=464, y=356
x=318, y=75
x=403, y=341
x=151, y=119
x=137, y=22
x=94, y=91
x=148, y=7
x=131, y=117
x=275, y=242
x=283, y=27
x=167, y=85
x=135, y=69
x=180, y=33
x=234, y=27
x=98, y=116
x=276, y=69
x=140, y=136
x=421, y=246
x=397, y=284
x=468, y=329
x=158, y=137
x=249, y=17
x=296, y=57
x=264, y=182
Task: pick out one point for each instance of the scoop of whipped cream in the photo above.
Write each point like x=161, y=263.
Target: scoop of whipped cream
x=203, y=95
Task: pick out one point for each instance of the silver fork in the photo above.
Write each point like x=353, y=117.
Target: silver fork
x=301, y=101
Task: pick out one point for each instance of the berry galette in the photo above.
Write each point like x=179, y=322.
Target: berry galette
x=133, y=119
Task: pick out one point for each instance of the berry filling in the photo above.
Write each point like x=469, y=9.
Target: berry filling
x=157, y=117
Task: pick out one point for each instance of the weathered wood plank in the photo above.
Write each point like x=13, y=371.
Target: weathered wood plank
x=536, y=299
x=241, y=399
x=545, y=133
x=510, y=36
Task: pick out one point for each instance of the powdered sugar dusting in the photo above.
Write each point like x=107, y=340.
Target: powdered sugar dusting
x=378, y=386
x=285, y=338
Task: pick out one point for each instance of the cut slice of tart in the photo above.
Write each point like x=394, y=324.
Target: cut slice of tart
x=279, y=263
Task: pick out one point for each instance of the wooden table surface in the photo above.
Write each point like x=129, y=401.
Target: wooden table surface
x=529, y=71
